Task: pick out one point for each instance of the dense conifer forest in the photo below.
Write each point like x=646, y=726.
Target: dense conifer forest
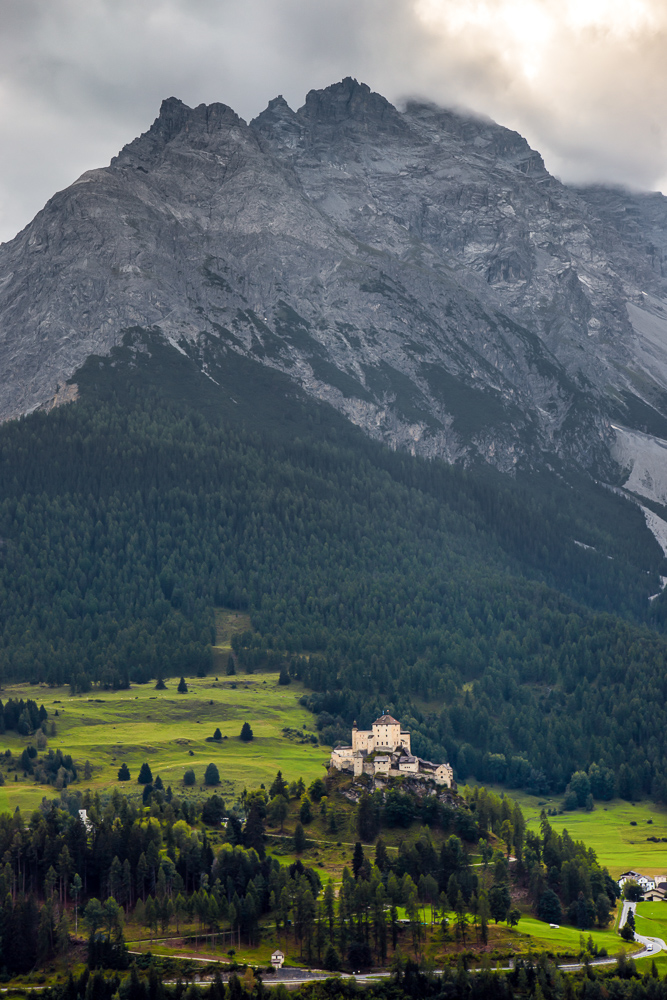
x=154, y=865
x=459, y=598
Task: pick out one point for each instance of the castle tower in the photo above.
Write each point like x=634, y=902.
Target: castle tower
x=387, y=732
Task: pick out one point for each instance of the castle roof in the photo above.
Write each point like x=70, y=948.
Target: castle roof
x=386, y=720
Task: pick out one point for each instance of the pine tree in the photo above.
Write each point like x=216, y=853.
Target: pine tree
x=279, y=786
x=123, y=772
x=182, y=686
x=299, y=839
x=145, y=774
x=357, y=859
x=246, y=732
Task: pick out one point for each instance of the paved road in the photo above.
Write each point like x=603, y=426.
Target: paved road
x=652, y=945
x=297, y=977
x=627, y=906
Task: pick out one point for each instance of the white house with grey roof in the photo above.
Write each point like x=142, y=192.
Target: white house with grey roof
x=645, y=882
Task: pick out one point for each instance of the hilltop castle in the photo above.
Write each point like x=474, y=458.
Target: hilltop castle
x=384, y=749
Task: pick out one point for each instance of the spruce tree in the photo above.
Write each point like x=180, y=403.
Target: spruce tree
x=145, y=774
x=299, y=839
x=279, y=786
x=357, y=859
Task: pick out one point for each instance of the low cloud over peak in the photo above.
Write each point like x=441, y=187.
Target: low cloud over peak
x=584, y=81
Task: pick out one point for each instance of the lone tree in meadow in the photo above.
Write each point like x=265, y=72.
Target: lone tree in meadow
x=189, y=777
x=124, y=772
x=211, y=775
x=160, y=686
x=217, y=735
x=246, y=732
x=182, y=686
x=145, y=775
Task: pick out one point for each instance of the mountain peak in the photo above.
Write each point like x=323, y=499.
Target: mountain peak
x=277, y=117
x=176, y=117
x=347, y=100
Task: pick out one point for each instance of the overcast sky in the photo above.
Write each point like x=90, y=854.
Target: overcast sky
x=584, y=80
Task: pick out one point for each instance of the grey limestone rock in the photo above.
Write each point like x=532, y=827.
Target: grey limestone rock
x=419, y=269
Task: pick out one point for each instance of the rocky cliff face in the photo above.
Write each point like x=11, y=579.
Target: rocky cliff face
x=418, y=269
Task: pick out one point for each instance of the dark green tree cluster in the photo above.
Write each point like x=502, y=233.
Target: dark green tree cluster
x=23, y=716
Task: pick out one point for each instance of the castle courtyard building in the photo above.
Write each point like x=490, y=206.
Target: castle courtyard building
x=384, y=750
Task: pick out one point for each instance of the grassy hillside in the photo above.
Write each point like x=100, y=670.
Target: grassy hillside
x=169, y=730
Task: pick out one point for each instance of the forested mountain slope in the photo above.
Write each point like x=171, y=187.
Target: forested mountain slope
x=381, y=579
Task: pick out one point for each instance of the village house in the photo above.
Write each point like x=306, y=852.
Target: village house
x=645, y=883
x=656, y=895
x=384, y=750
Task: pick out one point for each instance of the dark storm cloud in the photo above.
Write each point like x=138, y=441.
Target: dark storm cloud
x=584, y=80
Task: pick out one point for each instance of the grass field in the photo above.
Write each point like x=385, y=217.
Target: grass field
x=169, y=731
x=651, y=920
x=564, y=940
x=608, y=830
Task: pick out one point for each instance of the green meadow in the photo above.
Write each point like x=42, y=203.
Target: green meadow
x=608, y=830
x=651, y=920
x=169, y=730
x=562, y=940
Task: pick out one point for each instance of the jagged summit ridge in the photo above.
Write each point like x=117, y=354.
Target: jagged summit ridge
x=418, y=269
